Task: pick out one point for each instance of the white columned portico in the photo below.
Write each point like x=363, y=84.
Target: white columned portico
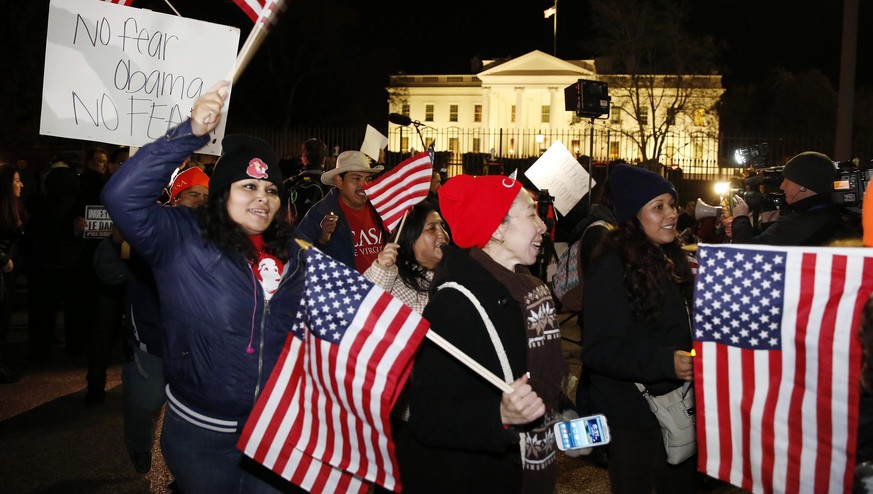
x=554, y=109
x=486, y=118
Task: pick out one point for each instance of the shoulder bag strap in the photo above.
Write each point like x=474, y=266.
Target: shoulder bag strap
x=492, y=331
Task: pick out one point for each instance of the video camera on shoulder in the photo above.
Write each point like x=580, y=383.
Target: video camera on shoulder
x=851, y=183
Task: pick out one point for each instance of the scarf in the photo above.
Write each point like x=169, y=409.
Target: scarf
x=546, y=365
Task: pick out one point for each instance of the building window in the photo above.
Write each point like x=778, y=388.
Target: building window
x=404, y=145
x=699, y=117
x=698, y=151
x=512, y=118
x=477, y=113
x=574, y=146
x=644, y=115
x=545, y=113
x=454, y=146
x=477, y=145
x=428, y=113
x=453, y=113
x=615, y=115
x=405, y=109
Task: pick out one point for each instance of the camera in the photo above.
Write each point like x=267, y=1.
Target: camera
x=761, y=190
x=753, y=156
x=851, y=183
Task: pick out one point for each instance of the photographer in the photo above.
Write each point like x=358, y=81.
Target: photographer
x=812, y=219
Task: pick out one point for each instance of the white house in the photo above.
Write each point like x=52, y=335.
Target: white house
x=515, y=108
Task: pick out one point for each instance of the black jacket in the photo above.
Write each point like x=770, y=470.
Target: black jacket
x=458, y=442
x=618, y=350
x=812, y=221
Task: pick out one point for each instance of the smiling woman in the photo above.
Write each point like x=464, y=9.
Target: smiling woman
x=465, y=434
x=229, y=283
x=637, y=330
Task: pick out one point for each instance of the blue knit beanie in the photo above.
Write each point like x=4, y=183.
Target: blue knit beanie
x=633, y=187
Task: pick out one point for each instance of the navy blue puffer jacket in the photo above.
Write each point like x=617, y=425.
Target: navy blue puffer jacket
x=221, y=338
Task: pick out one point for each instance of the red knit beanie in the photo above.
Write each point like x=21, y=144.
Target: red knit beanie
x=188, y=178
x=475, y=206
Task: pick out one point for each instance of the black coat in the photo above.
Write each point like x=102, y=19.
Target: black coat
x=812, y=221
x=458, y=442
x=618, y=350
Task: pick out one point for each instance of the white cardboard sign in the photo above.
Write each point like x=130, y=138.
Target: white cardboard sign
x=559, y=171
x=374, y=143
x=121, y=75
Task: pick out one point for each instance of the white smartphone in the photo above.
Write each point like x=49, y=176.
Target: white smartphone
x=583, y=432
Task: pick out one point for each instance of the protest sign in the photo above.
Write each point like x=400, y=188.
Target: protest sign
x=99, y=224
x=558, y=171
x=374, y=143
x=120, y=75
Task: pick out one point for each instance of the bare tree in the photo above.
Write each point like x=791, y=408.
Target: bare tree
x=658, y=71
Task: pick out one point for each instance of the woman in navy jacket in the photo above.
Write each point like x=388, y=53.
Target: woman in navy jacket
x=225, y=316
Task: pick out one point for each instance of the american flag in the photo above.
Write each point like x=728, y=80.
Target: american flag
x=264, y=10
x=777, y=365
x=398, y=190
x=252, y=8
x=322, y=421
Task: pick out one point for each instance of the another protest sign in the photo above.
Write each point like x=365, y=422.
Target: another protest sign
x=558, y=171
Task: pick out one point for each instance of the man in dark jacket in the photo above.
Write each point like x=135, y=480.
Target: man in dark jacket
x=813, y=219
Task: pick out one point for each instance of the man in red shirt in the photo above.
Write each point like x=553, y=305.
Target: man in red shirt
x=344, y=224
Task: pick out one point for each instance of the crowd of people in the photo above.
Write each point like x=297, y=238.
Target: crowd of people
x=202, y=276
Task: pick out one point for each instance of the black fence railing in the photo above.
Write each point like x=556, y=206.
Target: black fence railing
x=700, y=156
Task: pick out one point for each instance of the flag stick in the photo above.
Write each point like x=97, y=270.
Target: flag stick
x=469, y=362
x=400, y=228
x=256, y=37
x=174, y=8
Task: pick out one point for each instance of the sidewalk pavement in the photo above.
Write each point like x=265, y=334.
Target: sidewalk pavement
x=50, y=442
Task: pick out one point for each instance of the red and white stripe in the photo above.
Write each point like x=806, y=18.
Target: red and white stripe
x=785, y=420
x=323, y=419
x=120, y=2
x=401, y=188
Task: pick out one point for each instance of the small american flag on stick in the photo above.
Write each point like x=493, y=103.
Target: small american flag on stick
x=397, y=191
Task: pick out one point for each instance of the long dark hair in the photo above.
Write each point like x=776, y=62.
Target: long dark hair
x=410, y=271
x=217, y=226
x=646, y=266
x=12, y=212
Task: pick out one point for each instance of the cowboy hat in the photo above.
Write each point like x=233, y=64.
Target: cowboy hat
x=350, y=161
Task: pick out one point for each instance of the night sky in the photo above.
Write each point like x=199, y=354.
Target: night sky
x=366, y=41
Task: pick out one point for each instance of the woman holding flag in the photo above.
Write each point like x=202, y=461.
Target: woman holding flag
x=466, y=435
x=225, y=326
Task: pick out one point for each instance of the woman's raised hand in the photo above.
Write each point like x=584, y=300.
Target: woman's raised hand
x=206, y=112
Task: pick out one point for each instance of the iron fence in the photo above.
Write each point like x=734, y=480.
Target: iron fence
x=700, y=156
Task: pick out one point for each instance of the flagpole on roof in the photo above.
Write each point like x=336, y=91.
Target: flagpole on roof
x=555, y=31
